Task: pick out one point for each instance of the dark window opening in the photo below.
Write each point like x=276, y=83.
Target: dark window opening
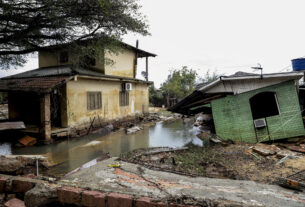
x=124, y=98
x=63, y=57
x=264, y=105
x=94, y=100
x=89, y=61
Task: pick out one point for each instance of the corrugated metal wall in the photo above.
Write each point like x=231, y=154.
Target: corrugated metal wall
x=233, y=117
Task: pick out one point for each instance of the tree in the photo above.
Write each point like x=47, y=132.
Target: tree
x=31, y=25
x=155, y=96
x=180, y=83
x=209, y=76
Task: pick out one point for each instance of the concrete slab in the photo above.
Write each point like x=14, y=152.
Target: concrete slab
x=138, y=181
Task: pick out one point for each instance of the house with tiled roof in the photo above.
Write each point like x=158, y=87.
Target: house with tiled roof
x=60, y=95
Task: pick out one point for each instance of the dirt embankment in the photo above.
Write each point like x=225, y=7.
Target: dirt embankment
x=235, y=161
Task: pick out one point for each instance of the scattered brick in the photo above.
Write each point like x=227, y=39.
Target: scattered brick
x=69, y=195
x=3, y=182
x=147, y=202
x=14, y=203
x=93, y=199
x=180, y=205
x=119, y=200
x=22, y=186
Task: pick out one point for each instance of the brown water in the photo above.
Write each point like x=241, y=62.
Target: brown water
x=71, y=154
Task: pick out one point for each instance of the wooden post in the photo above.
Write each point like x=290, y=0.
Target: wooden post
x=146, y=68
x=45, y=117
x=136, y=61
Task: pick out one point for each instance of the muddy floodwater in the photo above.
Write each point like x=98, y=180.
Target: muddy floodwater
x=71, y=154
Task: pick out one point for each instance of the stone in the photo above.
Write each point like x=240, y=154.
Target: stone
x=93, y=199
x=14, y=203
x=265, y=149
x=22, y=186
x=204, y=135
x=3, y=182
x=69, y=195
x=119, y=200
x=41, y=195
x=10, y=166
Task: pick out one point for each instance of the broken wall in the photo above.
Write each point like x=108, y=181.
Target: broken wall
x=233, y=117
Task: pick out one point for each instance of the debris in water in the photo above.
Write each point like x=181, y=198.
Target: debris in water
x=93, y=143
x=133, y=130
x=27, y=141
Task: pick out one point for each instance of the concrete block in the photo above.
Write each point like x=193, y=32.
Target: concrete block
x=22, y=186
x=93, y=199
x=119, y=200
x=70, y=195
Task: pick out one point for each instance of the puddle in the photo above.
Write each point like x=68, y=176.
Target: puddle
x=71, y=154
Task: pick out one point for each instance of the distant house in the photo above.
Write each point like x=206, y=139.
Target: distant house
x=59, y=95
x=248, y=107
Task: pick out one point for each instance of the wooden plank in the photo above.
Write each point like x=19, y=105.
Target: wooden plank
x=11, y=125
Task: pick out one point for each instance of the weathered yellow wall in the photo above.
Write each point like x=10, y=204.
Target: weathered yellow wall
x=52, y=58
x=77, y=100
x=46, y=59
x=124, y=63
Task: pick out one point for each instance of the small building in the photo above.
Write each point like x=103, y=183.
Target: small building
x=60, y=96
x=249, y=107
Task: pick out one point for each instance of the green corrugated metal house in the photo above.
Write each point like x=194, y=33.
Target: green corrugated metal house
x=250, y=108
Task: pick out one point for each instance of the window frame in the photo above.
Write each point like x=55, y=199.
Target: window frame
x=124, y=98
x=253, y=103
x=94, y=100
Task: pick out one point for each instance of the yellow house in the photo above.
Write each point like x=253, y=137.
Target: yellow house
x=59, y=95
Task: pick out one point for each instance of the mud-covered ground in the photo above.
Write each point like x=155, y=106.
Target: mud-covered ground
x=235, y=161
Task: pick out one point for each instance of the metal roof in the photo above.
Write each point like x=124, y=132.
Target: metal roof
x=141, y=53
x=67, y=70
x=43, y=79
x=34, y=84
x=247, y=76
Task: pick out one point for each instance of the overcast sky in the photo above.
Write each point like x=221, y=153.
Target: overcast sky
x=223, y=35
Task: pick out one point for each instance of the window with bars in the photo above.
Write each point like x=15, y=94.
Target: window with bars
x=124, y=98
x=94, y=100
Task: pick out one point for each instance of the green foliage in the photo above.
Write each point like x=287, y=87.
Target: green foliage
x=180, y=83
x=31, y=25
x=155, y=96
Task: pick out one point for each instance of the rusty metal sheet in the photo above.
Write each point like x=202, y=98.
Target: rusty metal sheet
x=11, y=125
x=295, y=181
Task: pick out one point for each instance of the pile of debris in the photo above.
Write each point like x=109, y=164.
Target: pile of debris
x=205, y=126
